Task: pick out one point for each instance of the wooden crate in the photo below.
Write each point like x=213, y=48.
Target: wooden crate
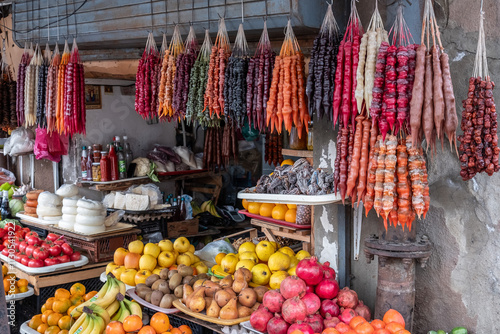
x=183, y=228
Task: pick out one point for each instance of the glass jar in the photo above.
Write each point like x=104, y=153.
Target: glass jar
x=303, y=216
x=105, y=170
x=310, y=137
x=296, y=143
x=96, y=172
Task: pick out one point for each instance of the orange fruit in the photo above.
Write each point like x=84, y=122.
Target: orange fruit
x=147, y=330
x=22, y=282
x=64, y=322
x=219, y=257
x=35, y=321
x=244, y=202
x=377, y=324
x=45, y=315
x=342, y=328
x=291, y=215
x=279, y=211
x=394, y=316
x=62, y=293
x=351, y=331
x=77, y=289
x=52, y=330
x=89, y=295
x=5, y=270
x=44, y=308
x=23, y=289
x=356, y=321
x=49, y=302
x=254, y=208
x=403, y=331
x=132, y=323
x=53, y=319
x=6, y=285
x=160, y=322
x=381, y=331
x=76, y=299
x=71, y=308
x=115, y=327
x=63, y=331
x=175, y=331
x=394, y=327
x=61, y=305
x=266, y=209
x=330, y=331
x=185, y=329
x=364, y=328
x=42, y=328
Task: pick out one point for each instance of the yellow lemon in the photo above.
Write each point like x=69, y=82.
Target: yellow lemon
x=278, y=261
x=277, y=278
x=219, y=257
x=292, y=206
x=266, y=209
x=291, y=215
x=229, y=263
x=244, y=202
x=246, y=247
x=264, y=250
x=279, y=211
x=261, y=274
x=287, y=162
x=249, y=256
x=303, y=254
x=254, y=208
x=287, y=250
x=249, y=264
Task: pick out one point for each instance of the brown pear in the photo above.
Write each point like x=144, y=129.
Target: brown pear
x=239, y=284
x=247, y=297
x=197, y=304
x=226, y=282
x=230, y=291
x=243, y=273
x=256, y=306
x=213, y=310
x=197, y=294
x=198, y=283
x=208, y=301
x=210, y=288
x=260, y=291
x=244, y=311
x=230, y=311
x=186, y=292
x=222, y=297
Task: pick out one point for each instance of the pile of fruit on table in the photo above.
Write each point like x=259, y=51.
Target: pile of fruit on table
x=134, y=265
x=159, y=323
x=35, y=252
x=11, y=286
x=286, y=212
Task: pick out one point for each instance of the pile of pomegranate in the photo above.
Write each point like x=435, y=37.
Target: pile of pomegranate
x=309, y=302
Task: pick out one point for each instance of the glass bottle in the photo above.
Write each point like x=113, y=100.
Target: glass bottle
x=88, y=164
x=182, y=212
x=113, y=164
x=122, y=164
x=5, y=211
x=105, y=170
x=128, y=151
x=296, y=143
x=310, y=145
x=117, y=143
x=83, y=164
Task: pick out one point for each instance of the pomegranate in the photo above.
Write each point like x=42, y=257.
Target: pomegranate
x=310, y=271
x=329, y=306
x=310, y=289
x=260, y=318
x=363, y=311
x=327, y=289
x=277, y=325
x=347, y=315
x=292, y=286
x=273, y=300
x=328, y=272
x=330, y=322
x=301, y=326
x=316, y=322
x=294, y=310
x=313, y=303
x=347, y=298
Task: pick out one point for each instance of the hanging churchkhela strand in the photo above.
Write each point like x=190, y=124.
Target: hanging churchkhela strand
x=146, y=103
x=21, y=80
x=51, y=90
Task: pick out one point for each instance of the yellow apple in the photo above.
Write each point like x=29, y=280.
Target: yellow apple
x=229, y=263
x=158, y=270
x=249, y=256
x=136, y=246
x=201, y=268
x=117, y=272
x=191, y=248
x=184, y=259
x=181, y=245
x=152, y=249
x=196, y=259
x=247, y=247
x=264, y=250
x=191, y=256
x=166, y=259
x=128, y=277
x=110, y=267
x=141, y=276
x=166, y=245
x=147, y=262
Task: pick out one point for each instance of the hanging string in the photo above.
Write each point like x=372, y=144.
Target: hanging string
x=48, y=22
x=265, y=4
x=178, y=13
x=76, y=25
x=151, y=7
x=57, y=20
x=38, y=21
x=166, y=16
x=67, y=20
x=242, y=14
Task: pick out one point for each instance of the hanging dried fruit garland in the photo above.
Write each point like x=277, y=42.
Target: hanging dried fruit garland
x=146, y=85
x=74, y=94
x=41, y=119
x=51, y=90
x=21, y=80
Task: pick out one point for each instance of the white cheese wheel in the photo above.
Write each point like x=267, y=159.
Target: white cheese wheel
x=48, y=210
x=67, y=190
x=89, y=220
x=69, y=210
x=70, y=201
x=69, y=218
x=48, y=198
x=90, y=212
x=66, y=225
x=88, y=229
x=89, y=204
x=50, y=218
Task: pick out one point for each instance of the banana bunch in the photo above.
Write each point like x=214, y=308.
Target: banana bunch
x=208, y=206
x=124, y=309
x=196, y=208
x=93, y=320
x=104, y=298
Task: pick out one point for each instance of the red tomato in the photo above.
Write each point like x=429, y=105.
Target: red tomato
x=26, y=230
x=35, y=263
x=64, y=258
x=19, y=234
x=29, y=250
x=32, y=240
x=41, y=253
x=55, y=250
x=52, y=237
x=22, y=246
x=1, y=247
x=3, y=233
x=31, y=234
x=50, y=261
x=59, y=242
x=6, y=243
x=75, y=256
x=66, y=248
x=5, y=252
x=25, y=260
x=17, y=257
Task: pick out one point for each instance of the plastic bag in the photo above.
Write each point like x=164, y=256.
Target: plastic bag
x=6, y=176
x=18, y=137
x=114, y=218
x=210, y=251
x=150, y=190
x=187, y=203
x=187, y=156
x=50, y=146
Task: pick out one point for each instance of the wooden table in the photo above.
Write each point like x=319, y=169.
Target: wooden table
x=272, y=230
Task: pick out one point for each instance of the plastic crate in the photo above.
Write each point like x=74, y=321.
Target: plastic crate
x=177, y=321
x=102, y=250
x=24, y=311
x=41, y=232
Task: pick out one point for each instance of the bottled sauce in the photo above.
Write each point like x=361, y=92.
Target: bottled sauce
x=310, y=145
x=117, y=143
x=105, y=170
x=88, y=164
x=96, y=172
x=122, y=164
x=128, y=151
x=176, y=209
x=83, y=164
x=5, y=210
x=296, y=143
x=182, y=211
x=113, y=164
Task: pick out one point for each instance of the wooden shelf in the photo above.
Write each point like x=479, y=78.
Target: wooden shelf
x=297, y=153
x=272, y=230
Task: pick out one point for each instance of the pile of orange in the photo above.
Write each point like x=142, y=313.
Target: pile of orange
x=392, y=323
x=286, y=212
x=55, y=317
x=10, y=286
x=159, y=323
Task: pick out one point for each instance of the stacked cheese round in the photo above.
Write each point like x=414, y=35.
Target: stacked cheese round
x=90, y=217
x=49, y=206
x=69, y=212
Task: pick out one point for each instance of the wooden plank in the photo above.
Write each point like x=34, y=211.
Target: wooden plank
x=292, y=236
x=273, y=226
x=297, y=153
x=269, y=234
x=311, y=251
x=251, y=231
